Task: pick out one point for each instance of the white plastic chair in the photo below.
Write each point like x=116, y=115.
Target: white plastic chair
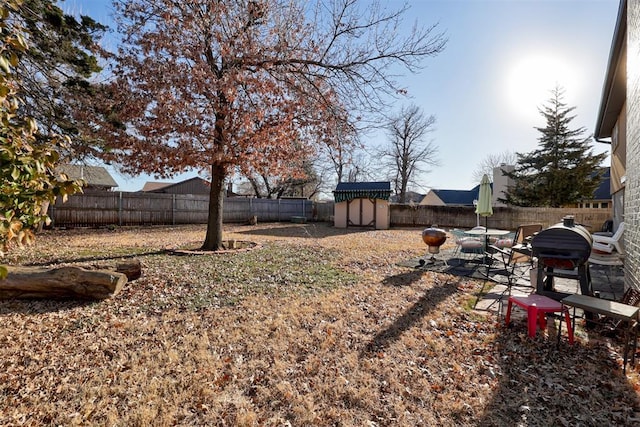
x=607, y=244
x=608, y=251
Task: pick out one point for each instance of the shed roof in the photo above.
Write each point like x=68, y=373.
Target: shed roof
x=346, y=191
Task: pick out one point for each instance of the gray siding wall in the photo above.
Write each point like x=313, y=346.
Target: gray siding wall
x=632, y=186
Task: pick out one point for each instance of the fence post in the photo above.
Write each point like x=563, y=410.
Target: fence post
x=120, y=208
x=173, y=209
x=52, y=215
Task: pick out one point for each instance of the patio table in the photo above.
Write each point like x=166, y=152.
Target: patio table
x=495, y=232
x=489, y=232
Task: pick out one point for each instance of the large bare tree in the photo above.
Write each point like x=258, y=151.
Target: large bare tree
x=491, y=161
x=408, y=153
x=224, y=85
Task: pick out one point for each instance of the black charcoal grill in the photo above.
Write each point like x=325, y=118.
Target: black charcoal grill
x=562, y=251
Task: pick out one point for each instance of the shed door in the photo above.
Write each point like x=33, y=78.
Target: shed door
x=361, y=213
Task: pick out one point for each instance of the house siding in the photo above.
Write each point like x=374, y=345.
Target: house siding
x=432, y=199
x=632, y=184
x=619, y=152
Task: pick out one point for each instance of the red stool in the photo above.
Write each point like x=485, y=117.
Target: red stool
x=537, y=306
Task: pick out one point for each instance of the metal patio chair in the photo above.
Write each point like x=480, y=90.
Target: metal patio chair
x=517, y=259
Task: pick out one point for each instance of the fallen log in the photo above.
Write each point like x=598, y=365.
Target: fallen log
x=62, y=282
x=130, y=268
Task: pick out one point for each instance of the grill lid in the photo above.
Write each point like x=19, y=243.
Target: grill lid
x=563, y=241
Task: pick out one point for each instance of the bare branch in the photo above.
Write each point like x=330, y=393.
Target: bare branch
x=407, y=153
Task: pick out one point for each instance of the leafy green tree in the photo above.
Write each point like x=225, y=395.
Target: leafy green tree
x=563, y=170
x=28, y=180
x=54, y=73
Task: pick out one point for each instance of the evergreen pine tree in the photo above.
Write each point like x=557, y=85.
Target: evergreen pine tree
x=563, y=170
x=54, y=75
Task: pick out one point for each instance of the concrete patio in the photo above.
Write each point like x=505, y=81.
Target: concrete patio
x=607, y=282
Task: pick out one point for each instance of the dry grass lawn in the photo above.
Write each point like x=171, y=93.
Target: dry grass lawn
x=316, y=327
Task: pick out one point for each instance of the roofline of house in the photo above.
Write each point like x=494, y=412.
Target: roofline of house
x=609, y=97
x=174, y=184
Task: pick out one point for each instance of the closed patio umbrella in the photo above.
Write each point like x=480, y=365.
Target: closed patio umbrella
x=484, y=207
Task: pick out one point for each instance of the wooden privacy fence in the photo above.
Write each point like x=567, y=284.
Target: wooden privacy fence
x=507, y=218
x=122, y=208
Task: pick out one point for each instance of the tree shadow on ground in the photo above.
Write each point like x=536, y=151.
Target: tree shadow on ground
x=92, y=259
x=403, y=279
x=447, y=262
x=312, y=230
x=431, y=298
x=32, y=307
x=542, y=384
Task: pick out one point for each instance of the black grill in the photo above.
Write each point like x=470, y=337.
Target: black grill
x=563, y=251
x=563, y=245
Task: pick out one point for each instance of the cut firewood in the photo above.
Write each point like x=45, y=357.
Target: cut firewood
x=62, y=282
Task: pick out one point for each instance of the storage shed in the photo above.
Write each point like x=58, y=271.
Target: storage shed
x=362, y=204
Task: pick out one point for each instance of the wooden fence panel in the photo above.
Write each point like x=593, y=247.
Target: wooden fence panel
x=269, y=212
x=121, y=208
x=190, y=209
x=507, y=218
x=91, y=209
x=323, y=211
x=237, y=209
x=143, y=209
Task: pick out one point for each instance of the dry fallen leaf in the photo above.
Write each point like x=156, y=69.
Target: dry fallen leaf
x=320, y=328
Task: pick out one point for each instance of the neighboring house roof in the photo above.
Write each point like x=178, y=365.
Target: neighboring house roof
x=195, y=185
x=603, y=192
x=94, y=176
x=615, y=85
x=153, y=186
x=458, y=197
x=466, y=197
x=346, y=191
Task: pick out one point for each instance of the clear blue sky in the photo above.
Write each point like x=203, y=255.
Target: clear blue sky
x=502, y=58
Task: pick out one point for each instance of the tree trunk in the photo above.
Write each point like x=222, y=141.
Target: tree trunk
x=63, y=282
x=213, y=238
